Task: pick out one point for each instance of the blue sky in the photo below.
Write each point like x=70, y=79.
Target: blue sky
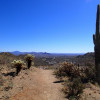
x=59, y=26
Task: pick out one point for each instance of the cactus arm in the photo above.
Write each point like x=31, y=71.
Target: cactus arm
x=94, y=39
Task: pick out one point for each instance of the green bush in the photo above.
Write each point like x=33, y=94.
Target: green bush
x=29, y=59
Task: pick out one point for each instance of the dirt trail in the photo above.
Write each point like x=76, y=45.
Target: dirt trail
x=36, y=84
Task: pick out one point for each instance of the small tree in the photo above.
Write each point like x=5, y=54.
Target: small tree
x=29, y=59
x=18, y=65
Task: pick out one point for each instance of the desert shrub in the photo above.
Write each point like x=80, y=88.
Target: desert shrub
x=86, y=74
x=77, y=76
x=74, y=89
x=29, y=59
x=65, y=69
x=1, y=80
x=68, y=69
x=75, y=72
x=1, y=67
x=18, y=65
x=90, y=75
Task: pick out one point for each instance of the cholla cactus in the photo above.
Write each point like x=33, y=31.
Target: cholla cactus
x=18, y=65
x=29, y=59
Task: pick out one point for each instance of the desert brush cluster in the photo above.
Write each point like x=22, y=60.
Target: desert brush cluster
x=77, y=78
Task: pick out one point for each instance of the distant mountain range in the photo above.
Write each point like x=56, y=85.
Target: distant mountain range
x=33, y=53
x=45, y=54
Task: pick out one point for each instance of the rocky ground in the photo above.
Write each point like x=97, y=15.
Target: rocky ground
x=34, y=84
x=38, y=84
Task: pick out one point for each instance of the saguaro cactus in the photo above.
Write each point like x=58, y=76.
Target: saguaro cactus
x=96, y=39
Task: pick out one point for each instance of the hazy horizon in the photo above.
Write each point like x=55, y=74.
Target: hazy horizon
x=50, y=52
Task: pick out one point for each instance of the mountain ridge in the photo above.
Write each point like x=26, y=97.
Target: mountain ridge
x=44, y=54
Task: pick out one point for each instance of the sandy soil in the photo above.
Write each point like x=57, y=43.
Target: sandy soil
x=91, y=92
x=40, y=84
x=36, y=84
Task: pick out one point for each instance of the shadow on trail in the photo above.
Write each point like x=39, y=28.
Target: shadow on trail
x=13, y=74
x=58, y=81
